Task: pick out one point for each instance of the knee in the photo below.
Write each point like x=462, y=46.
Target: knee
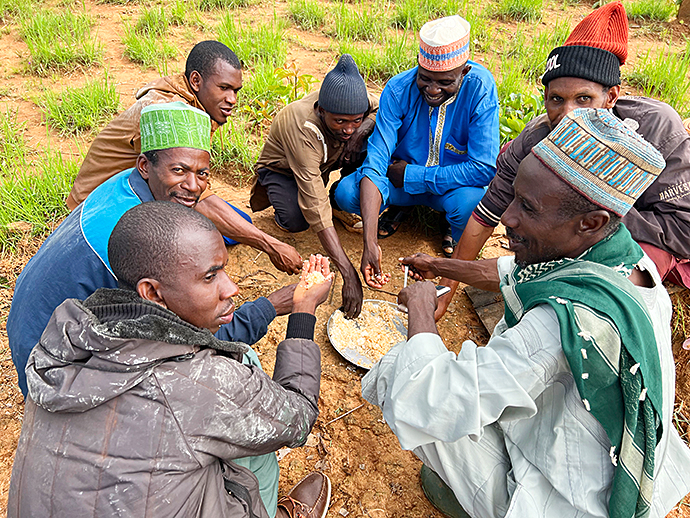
x=347, y=194
x=291, y=219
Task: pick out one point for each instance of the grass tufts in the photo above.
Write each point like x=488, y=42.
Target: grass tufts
x=81, y=110
x=235, y=148
x=208, y=5
x=519, y=10
x=10, y=9
x=153, y=22
x=358, y=24
x=37, y=199
x=643, y=11
x=664, y=75
x=59, y=41
x=264, y=43
x=13, y=150
x=307, y=14
x=148, y=50
x=375, y=64
x=412, y=14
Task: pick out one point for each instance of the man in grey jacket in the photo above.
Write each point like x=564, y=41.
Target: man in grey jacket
x=136, y=409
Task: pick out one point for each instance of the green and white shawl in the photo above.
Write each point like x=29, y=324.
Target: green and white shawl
x=608, y=339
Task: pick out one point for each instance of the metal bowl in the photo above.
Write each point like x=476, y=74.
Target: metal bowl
x=352, y=355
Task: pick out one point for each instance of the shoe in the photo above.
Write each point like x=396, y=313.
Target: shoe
x=309, y=498
x=352, y=222
x=448, y=245
x=440, y=495
x=390, y=221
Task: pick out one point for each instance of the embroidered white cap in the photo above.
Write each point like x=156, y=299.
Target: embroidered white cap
x=444, y=44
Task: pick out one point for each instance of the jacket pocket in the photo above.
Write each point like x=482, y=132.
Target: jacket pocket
x=453, y=151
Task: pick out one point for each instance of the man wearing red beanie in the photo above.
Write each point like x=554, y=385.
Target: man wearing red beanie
x=585, y=73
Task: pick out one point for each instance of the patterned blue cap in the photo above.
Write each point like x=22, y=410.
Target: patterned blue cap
x=601, y=158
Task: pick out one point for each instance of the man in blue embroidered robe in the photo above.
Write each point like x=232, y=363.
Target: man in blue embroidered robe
x=568, y=410
x=435, y=141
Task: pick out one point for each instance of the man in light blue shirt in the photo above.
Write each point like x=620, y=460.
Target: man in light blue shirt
x=435, y=142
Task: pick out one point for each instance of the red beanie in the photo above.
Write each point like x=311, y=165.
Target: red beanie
x=605, y=28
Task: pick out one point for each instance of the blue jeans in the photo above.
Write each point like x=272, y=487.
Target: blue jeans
x=229, y=241
x=458, y=204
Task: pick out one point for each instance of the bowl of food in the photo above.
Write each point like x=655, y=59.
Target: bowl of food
x=365, y=339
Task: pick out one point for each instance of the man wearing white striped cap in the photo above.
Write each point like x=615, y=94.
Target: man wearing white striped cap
x=435, y=142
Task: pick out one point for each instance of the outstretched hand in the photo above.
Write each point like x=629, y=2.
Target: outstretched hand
x=371, y=268
x=314, y=285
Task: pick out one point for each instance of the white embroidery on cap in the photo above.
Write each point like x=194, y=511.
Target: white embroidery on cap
x=552, y=63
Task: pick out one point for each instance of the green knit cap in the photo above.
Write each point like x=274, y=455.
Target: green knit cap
x=168, y=125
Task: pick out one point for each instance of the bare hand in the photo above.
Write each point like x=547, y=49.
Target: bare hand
x=396, y=173
x=309, y=295
x=285, y=258
x=421, y=266
x=282, y=299
x=419, y=296
x=352, y=295
x=371, y=267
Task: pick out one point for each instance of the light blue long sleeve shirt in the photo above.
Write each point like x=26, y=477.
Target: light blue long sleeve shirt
x=454, y=145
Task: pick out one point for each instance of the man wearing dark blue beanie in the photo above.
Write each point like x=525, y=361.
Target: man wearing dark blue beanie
x=308, y=139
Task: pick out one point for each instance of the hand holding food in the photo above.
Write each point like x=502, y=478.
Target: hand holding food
x=314, y=285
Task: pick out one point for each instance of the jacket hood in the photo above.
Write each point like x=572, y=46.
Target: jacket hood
x=93, y=351
x=176, y=84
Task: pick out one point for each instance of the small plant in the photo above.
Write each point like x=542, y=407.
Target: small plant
x=59, y=41
x=263, y=43
x=13, y=149
x=643, y=11
x=268, y=90
x=664, y=76
x=178, y=13
x=516, y=111
x=398, y=54
x=364, y=24
x=152, y=22
x=149, y=50
x=79, y=110
x=10, y=9
x=207, y=5
x=519, y=10
x=37, y=199
x=308, y=14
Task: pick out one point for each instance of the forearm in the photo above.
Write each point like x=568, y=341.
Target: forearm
x=370, y=204
x=334, y=250
x=232, y=225
x=482, y=274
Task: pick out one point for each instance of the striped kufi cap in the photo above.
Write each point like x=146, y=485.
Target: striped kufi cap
x=444, y=44
x=169, y=125
x=601, y=158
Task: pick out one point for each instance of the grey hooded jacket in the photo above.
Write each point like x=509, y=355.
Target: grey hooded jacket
x=134, y=412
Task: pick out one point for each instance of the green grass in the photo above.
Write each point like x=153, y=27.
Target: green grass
x=37, y=199
x=380, y=64
x=208, y=5
x=307, y=14
x=519, y=10
x=82, y=110
x=10, y=9
x=664, y=75
x=234, y=147
x=152, y=22
x=13, y=149
x=643, y=11
x=362, y=23
x=59, y=41
x=253, y=45
x=148, y=50
x=412, y=14
x=481, y=32
x=531, y=55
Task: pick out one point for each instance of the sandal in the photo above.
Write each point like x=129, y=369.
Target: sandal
x=448, y=245
x=390, y=221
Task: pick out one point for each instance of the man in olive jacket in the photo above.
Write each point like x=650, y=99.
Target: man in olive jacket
x=136, y=409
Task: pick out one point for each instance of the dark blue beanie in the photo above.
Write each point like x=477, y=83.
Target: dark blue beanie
x=343, y=90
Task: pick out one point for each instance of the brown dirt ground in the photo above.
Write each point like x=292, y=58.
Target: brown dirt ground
x=371, y=475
